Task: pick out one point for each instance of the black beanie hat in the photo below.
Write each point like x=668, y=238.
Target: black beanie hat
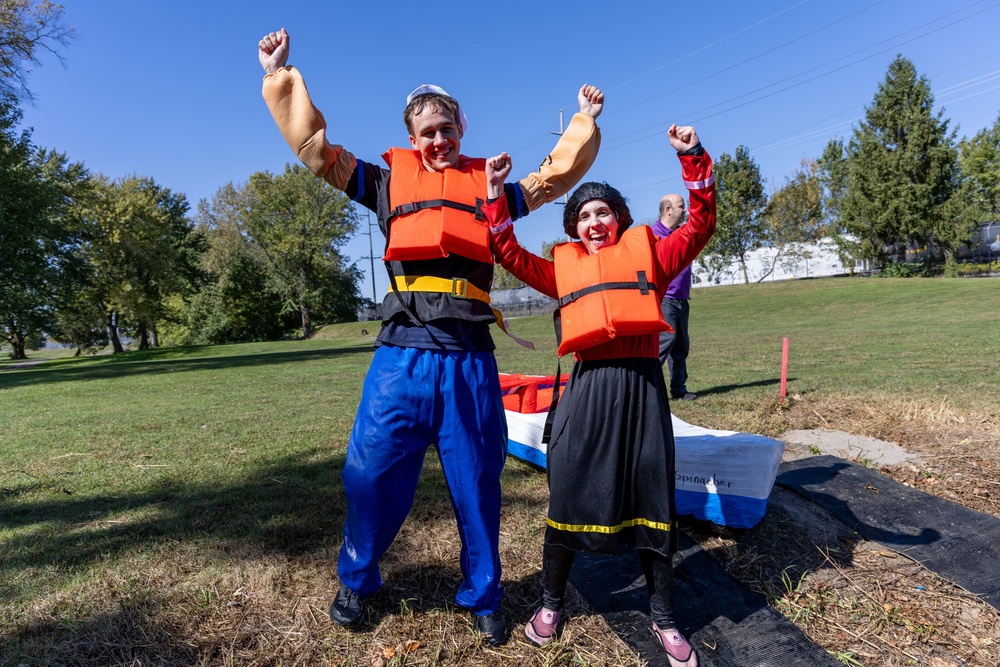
x=588, y=192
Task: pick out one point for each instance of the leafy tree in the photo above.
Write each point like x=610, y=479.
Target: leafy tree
x=140, y=249
x=26, y=28
x=547, y=247
x=740, y=224
x=832, y=173
x=78, y=315
x=299, y=222
x=831, y=169
x=236, y=303
x=901, y=169
x=504, y=279
x=31, y=239
x=979, y=162
x=794, y=217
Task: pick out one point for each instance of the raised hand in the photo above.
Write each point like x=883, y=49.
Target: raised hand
x=682, y=138
x=497, y=170
x=591, y=100
x=272, y=51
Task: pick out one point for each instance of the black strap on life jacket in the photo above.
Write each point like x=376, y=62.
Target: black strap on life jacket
x=550, y=418
x=413, y=207
x=642, y=284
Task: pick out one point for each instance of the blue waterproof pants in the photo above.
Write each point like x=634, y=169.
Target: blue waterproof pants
x=412, y=399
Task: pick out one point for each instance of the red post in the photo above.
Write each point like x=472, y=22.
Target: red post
x=784, y=369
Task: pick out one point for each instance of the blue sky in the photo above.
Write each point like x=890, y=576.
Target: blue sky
x=171, y=90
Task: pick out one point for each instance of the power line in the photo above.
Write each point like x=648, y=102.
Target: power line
x=702, y=79
x=709, y=46
x=788, y=142
x=795, y=85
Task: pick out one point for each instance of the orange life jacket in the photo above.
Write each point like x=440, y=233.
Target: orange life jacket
x=608, y=294
x=435, y=214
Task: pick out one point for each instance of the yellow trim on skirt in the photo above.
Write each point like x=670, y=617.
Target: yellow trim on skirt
x=608, y=530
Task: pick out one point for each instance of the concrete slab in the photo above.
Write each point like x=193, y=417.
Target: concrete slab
x=802, y=443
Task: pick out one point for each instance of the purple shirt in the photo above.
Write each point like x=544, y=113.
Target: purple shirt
x=680, y=287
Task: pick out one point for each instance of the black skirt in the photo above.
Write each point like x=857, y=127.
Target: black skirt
x=611, y=460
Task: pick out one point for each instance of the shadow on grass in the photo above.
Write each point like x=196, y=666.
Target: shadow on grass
x=132, y=634
x=151, y=362
x=292, y=506
x=289, y=506
x=726, y=388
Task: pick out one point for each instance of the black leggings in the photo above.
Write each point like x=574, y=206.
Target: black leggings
x=658, y=569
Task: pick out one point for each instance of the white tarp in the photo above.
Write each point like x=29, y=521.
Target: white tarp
x=721, y=476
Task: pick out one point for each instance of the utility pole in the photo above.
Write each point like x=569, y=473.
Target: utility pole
x=371, y=257
x=565, y=199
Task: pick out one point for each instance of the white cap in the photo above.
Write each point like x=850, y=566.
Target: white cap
x=431, y=88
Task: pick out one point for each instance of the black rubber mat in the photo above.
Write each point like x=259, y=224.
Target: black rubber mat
x=729, y=625
x=957, y=543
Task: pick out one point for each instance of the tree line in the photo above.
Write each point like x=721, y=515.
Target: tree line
x=86, y=259
x=901, y=182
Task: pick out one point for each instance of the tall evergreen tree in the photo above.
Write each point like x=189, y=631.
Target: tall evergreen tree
x=901, y=169
x=741, y=203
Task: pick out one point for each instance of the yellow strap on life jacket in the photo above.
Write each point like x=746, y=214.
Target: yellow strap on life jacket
x=460, y=288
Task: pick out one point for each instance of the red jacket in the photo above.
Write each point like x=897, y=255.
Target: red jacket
x=672, y=254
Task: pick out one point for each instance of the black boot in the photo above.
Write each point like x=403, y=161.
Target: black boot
x=494, y=626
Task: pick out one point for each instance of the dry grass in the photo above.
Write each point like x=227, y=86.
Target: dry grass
x=864, y=603
x=186, y=605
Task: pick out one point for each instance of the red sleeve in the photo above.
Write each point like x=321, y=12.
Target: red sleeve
x=676, y=251
x=530, y=269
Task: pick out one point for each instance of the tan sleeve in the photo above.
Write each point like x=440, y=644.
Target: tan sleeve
x=304, y=127
x=563, y=168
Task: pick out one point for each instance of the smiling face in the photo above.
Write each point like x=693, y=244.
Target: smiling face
x=436, y=136
x=596, y=225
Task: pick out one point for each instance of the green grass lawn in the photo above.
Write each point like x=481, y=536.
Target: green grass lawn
x=137, y=481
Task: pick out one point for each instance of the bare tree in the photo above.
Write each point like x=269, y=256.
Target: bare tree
x=27, y=30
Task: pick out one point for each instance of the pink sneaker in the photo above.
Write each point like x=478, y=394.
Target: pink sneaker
x=541, y=629
x=679, y=652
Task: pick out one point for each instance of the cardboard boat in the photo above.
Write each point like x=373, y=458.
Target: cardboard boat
x=724, y=477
